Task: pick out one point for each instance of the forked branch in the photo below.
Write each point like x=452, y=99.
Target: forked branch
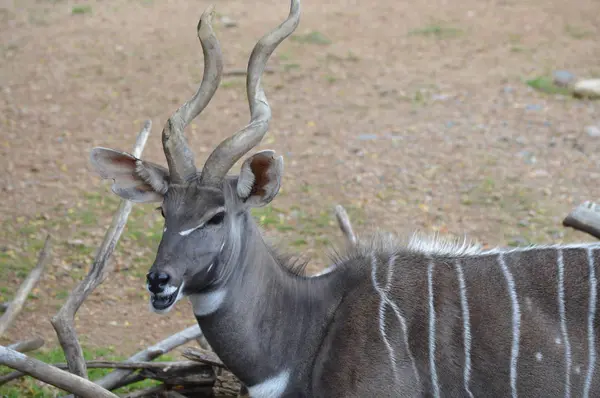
x=585, y=218
x=233, y=148
x=177, y=151
x=63, y=321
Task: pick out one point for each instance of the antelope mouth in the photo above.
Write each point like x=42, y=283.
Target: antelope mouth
x=163, y=302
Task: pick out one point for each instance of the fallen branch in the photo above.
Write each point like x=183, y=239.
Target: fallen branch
x=63, y=321
x=345, y=225
x=17, y=304
x=178, y=366
x=118, y=377
x=27, y=345
x=585, y=218
x=52, y=375
x=203, y=356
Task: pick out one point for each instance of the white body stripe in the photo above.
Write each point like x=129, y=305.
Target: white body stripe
x=401, y=319
x=382, y=331
x=273, y=387
x=466, y=326
x=563, y=321
x=590, y=326
x=516, y=324
x=432, y=369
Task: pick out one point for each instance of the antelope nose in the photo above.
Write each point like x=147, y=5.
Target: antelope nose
x=157, y=281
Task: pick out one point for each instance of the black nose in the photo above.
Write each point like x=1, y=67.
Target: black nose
x=157, y=281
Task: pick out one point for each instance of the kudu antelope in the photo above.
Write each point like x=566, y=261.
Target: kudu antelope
x=430, y=318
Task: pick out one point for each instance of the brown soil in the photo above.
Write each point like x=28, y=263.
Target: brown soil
x=415, y=113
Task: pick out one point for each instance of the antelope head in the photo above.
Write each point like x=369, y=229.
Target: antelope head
x=203, y=210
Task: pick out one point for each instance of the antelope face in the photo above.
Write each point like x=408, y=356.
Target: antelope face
x=203, y=222
x=192, y=244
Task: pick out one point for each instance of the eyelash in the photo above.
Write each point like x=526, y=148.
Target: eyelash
x=162, y=212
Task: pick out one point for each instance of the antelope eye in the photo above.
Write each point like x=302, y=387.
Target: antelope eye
x=217, y=218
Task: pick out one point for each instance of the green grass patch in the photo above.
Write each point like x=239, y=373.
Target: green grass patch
x=313, y=37
x=577, y=32
x=81, y=9
x=545, y=84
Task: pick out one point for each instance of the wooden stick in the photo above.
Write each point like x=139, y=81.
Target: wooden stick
x=17, y=304
x=52, y=375
x=585, y=218
x=156, y=366
x=345, y=225
x=63, y=321
x=203, y=356
x=115, y=379
x=27, y=345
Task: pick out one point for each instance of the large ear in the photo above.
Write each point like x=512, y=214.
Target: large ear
x=134, y=179
x=260, y=178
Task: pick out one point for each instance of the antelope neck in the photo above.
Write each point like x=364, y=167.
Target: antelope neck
x=265, y=320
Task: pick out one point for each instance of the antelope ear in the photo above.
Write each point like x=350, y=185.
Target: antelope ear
x=260, y=178
x=134, y=179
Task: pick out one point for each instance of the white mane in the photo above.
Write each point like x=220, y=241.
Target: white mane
x=442, y=246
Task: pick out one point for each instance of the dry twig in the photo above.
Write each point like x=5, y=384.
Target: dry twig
x=203, y=356
x=17, y=304
x=63, y=321
x=585, y=218
x=52, y=375
x=345, y=224
x=27, y=345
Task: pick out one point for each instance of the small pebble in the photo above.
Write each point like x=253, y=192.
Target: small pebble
x=592, y=131
x=228, y=22
x=563, y=78
x=367, y=137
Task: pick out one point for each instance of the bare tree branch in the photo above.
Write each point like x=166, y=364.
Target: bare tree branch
x=11, y=376
x=177, y=366
x=115, y=379
x=17, y=304
x=27, y=345
x=51, y=375
x=585, y=218
x=345, y=224
x=203, y=356
x=63, y=321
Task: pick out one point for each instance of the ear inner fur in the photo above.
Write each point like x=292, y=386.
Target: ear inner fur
x=260, y=167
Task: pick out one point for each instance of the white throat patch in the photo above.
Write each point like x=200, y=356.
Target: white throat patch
x=207, y=303
x=273, y=387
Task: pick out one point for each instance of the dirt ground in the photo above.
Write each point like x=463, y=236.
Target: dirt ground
x=414, y=115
